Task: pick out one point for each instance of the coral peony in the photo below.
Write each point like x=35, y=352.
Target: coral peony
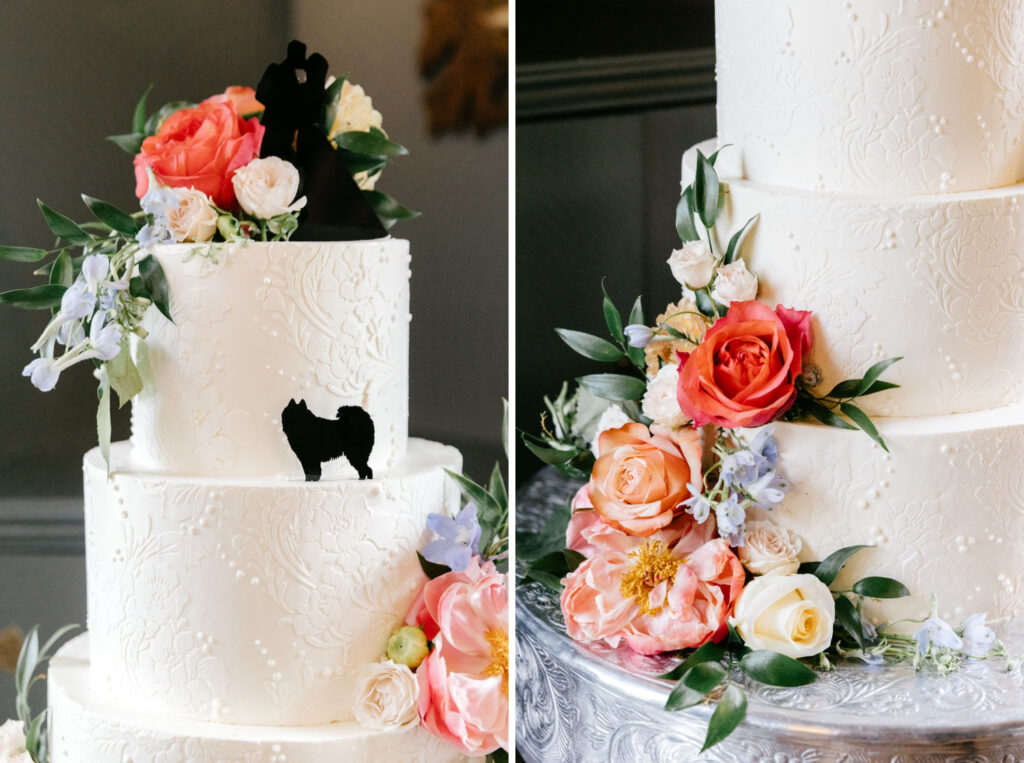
x=201, y=148
x=591, y=535
x=744, y=372
x=641, y=478
x=464, y=681
x=592, y=601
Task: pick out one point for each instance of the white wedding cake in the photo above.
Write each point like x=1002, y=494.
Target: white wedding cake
x=232, y=603
x=882, y=145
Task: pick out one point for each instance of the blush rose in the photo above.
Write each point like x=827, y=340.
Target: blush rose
x=744, y=372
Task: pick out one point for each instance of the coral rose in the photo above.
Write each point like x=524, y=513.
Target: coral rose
x=464, y=682
x=640, y=480
x=683, y=601
x=744, y=372
x=200, y=147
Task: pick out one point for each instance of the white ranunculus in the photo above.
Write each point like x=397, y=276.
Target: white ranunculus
x=660, y=402
x=692, y=265
x=612, y=418
x=734, y=283
x=12, y=743
x=194, y=219
x=386, y=696
x=789, y=614
x=768, y=547
x=266, y=187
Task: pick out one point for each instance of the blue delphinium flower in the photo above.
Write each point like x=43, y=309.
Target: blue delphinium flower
x=936, y=632
x=978, y=638
x=458, y=541
x=159, y=199
x=638, y=334
x=731, y=519
x=155, y=233
x=768, y=491
x=698, y=505
x=739, y=468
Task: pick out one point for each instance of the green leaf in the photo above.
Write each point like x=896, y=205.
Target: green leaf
x=370, y=143
x=710, y=652
x=809, y=405
x=695, y=684
x=545, y=578
x=47, y=651
x=849, y=618
x=473, y=492
x=331, y=96
x=808, y=568
x=614, y=386
x=108, y=214
x=552, y=456
x=705, y=304
x=496, y=487
x=776, y=669
x=737, y=240
x=558, y=563
x=154, y=282
x=831, y=565
x=28, y=658
x=130, y=143
x=139, y=115
x=590, y=346
x=124, y=376
x=685, y=225
x=705, y=191
x=714, y=157
x=22, y=254
x=498, y=756
x=103, y=418
x=550, y=538
x=156, y=120
x=430, y=569
x=873, y=373
x=361, y=163
x=612, y=318
x=62, y=272
x=861, y=419
x=731, y=710
x=387, y=209
x=63, y=227
x=848, y=389
x=880, y=588
x=34, y=298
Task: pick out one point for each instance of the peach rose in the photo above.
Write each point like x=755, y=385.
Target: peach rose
x=684, y=601
x=592, y=601
x=744, y=372
x=243, y=98
x=590, y=535
x=640, y=480
x=200, y=148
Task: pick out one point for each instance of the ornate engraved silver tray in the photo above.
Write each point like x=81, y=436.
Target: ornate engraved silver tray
x=592, y=703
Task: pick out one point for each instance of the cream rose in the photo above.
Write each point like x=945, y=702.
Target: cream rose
x=12, y=743
x=789, y=614
x=734, y=283
x=266, y=187
x=660, y=402
x=194, y=219
x=355, y=114
x=768, y=547
x=692, y=265
x=386, y=696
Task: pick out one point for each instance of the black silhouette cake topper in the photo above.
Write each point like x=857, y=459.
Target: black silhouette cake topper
x=292, y=93
x=315, y=440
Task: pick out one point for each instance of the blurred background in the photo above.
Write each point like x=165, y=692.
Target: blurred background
x=608, y=96
x=71, y=73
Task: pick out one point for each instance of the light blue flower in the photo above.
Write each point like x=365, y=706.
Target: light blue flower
x=768, y=491
x=731, y=519
x=765, y=449
x=71, y=333
x=159, y=199
x=94, y=270
x=77, y=302
x=739, y=468
x=978, y=637
x=43, y=372
x=935, y=632
x=458, y=541
x=698, y=505
x=105, y=340
x=154, y=233
x=638, y=334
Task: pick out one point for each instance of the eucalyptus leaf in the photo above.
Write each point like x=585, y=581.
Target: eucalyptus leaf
x=880, y=588
x=430, y=569
x=612, y=318
x=737, y=240
x=22, y=254
x=130, y=143
x=63, y=227
x=108, y=214
x=729, y=713
x=709, y=652
x=369, y=143
x=861, y=419
x=849, y=618
x=590, y=346
x=695, y=684
x=34, y=298
x=28, y=658
x=705, y=191
x=62, y=272
x=615, y=387
x=551, y=456
x=685, y=225
x=496, y=486
x=139, y=115
x=776, y=669
x=832, y=564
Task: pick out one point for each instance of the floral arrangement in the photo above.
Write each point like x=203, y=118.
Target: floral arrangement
x=297, y=157
x=447, y=668
x=667, y=548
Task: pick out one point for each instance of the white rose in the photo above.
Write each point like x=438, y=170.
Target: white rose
x=692, y=265
x=789, y=614
x=612, y=418
x=660, y=402
x=194, y=219
x=768, y=547
x=355, y=114
x=266, y=187
x=734, y=283
x=12, y=743
x=386, y=696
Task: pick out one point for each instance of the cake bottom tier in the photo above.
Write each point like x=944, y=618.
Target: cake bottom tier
x=87, y=727
x=944, y=508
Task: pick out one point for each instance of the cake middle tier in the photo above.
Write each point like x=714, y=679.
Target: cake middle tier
x=936, y=279
x=259, y=325
x=252, y=601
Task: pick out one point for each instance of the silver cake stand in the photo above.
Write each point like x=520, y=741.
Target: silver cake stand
x=592, y=703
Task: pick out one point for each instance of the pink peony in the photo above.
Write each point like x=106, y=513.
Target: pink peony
x=590, y=535
x=592, y=601
x=464, y=681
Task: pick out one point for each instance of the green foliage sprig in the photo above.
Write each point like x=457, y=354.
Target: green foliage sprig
x=26, y=674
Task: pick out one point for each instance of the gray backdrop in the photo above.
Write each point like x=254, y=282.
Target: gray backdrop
x=70, y=74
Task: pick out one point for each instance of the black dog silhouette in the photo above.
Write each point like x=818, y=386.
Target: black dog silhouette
x=315, y=440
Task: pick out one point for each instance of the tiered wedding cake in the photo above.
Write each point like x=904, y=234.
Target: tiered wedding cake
x=882, y=145
x=231, y=603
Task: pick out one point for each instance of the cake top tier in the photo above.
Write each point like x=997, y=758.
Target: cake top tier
x=869, y=96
